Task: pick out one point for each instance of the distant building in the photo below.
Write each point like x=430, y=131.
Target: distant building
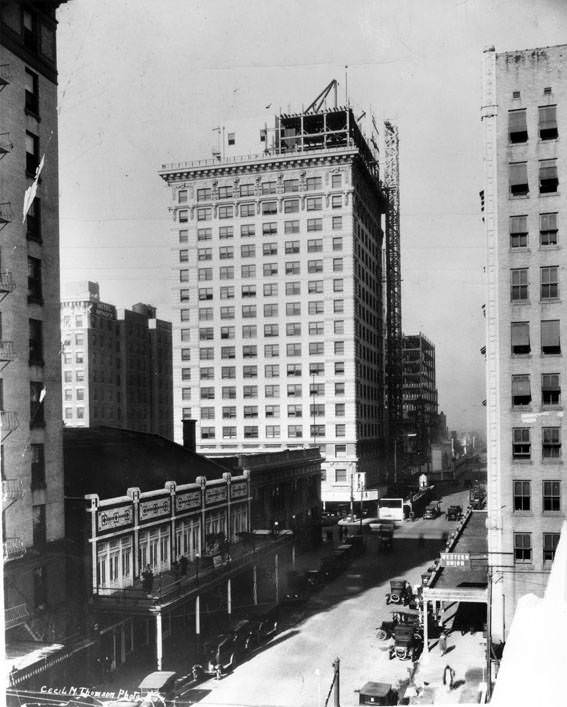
x=30, y=379
x=278, y=263
x=117, y=366
x=524, y=116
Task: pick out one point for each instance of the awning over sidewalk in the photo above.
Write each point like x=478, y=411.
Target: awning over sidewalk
x=26, y=659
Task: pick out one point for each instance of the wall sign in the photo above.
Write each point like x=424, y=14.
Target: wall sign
x=215, y=494
x=114, y=518
x=239, y=489
x=154, y=508
x=187, y=501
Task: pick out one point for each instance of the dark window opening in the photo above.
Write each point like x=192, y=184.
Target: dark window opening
x=548, y=122
x=522, y=496
x=517, y=126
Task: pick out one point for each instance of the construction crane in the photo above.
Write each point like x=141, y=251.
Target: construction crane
x=394, y=371
x=321, y=99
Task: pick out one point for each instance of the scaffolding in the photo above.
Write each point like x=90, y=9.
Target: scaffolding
x=394, y=370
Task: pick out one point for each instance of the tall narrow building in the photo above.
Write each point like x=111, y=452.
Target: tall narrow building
x=524, y=115
x=30, y=378
x=278, y=262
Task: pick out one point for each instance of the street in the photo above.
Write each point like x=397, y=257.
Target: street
x=340, y=621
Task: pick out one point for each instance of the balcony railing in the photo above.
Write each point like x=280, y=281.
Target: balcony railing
x=14, y=548
x=12, y=490
x=8, y=422
x=16, y=615
x=6, y=211
x=6, y=351
x=7, y=283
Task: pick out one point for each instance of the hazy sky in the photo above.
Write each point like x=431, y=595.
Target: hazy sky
x=143, y=83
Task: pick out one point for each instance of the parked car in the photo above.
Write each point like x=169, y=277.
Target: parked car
x=377, y=693
x=432, y=510
x=400, y=592
x=454, y=513
x=160, y=682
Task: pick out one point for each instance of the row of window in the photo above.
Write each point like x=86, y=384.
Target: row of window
x=550, y=498
x=316, y=348
x=226, y=272
x=518, y=125
x=250, y=331
x=523, y=548
x=270, y=431
x=229, y=412
x=550, y=337
x=248, y=250
x=269, y=228
x=548, y=180
x=268, y=289
x=548, y=286
x=550, y=390
x=550, y=443
x=229, y=191
x=270, y=310
x=271, y=370
x=519, y=232
x=294, y=390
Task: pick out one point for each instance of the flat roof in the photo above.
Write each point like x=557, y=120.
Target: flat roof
x=464, y=583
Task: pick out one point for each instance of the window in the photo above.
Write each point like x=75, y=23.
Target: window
x=207, y=393
x=336, y=181
x=337, y=223
x=184, y=236
x=228, y=392
x=339, y=409
x=314, y=203
x=522, y=495
x=339, y=388
x=186, y=413
x=247, y=229
x=250, y=371
x=316, y=369
x=271, y=350
x=340, y=476
x=271, y=330
x=270, y=269
x=229, y=432
x=314, y=224
x=226, y=272
x=291, y=185
x=315, y=287
x=548, y=180
x=248, y=310
x=518, y=231
x=291, y=206
x=338, y=285
x=36, y=342
x=35, y=290
x=227, y=312
x=317, y=430
x=269, y=207
x=293, y=369
x=226, y=252
x=339, y=326
x=295, y=431
x=519, y=284
x=294, y=390
x=225, y=192
x=314, y=266
x=249, y=331
x=339, y=368
x=314, y=245
x=520, y=337
x=204, y=214
x=183, y=295
x=268, y=229
x=185, y=374
x=293, y=308
x=292, y=268
x=206, y=334
x=227, y=332
x=32, y=153
x=248, y=251
x=204, y=234
x=517, y=127
x=271, y=370
x=316, y=328
x=291, y=226
x=316, y=348
x=292, y=288
x=551, y=442
x=338, y=243
x=228, y=352
x=205, y=314
x=317, y=389
x=204, y=274
x=551, y=496
x=250, y=432
x=225, y=212
x=336, y=201
x=521, y=448
x=247, y=190
x=519, y=179
x=250, y=411
x=207, y=373
x=37, y=466
x=548, y=122
x=317, y=307
x=291, y=247
x=317, y=410
x=204, y=194
x=550, y=542
x=338, y=306
x=268, y=187
x=207, y=413
x=271, y=310
x=247, y=209
x=272, y=391
x=36, y=404
x=521, y=391
x=248, y=271
x=228, y=413
x=313, y=183
x=39, y=530
x=185, y=354
x=231, y=139
x=548, y=229
x=270, y=290
x=550, y=341
x=293, y=329
x=226, y=232
x=550, y=389
x=339, y=347
x=250, y=351
x=227, y=292
x=205, y=293
x=295, y=411
x=272, y=410
x=31, y=92
x=184, y=275
x=270, y=249
x=184, y=256
x=207, y=432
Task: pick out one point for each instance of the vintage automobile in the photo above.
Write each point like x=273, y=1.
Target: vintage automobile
x=454, y=513
x=407, y=644
x=401, y=616
x=377, y=693
x=224, y=652
x=263, y=624
x=159, y=682
x=400, y=592
x=314, y=578
x=432, y=510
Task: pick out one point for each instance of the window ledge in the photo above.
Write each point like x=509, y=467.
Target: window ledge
x=523, y=356
x=522, y=462
x=521, y=302
x=549, y=300
x=551, y=246
x=518, y=196
x=552, y=513
x=551, y=460
x=525, y=565
x=549, y=193
x=523, y=514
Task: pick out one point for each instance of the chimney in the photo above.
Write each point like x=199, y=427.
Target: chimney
x=189, y=435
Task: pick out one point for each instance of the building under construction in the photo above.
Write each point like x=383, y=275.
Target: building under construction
x=284, y=320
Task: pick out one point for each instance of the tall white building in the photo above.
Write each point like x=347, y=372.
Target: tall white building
x=524, y=115
x=278, y=267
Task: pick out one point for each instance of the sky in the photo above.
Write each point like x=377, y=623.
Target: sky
x=143, y=83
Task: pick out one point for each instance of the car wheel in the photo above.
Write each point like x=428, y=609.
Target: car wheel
x=381, y=635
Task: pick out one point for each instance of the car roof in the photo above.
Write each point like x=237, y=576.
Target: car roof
x=157, y=679
x=375, y=689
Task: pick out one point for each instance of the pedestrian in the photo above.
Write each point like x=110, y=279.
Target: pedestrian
x=183, y=565
x=443, y=642
x=175, y=568
x=448, y=677
x=147, y=580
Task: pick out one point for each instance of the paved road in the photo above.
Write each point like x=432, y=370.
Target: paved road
x=339, y=621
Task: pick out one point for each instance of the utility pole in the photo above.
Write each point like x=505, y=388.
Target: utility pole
x=489, y=636
x=337, y=681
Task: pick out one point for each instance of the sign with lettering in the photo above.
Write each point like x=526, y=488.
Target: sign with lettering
x=239, y=489
x=155, y=508
x=114, y=518
x=455, y=559
x=215, y=494
x=188, y=501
